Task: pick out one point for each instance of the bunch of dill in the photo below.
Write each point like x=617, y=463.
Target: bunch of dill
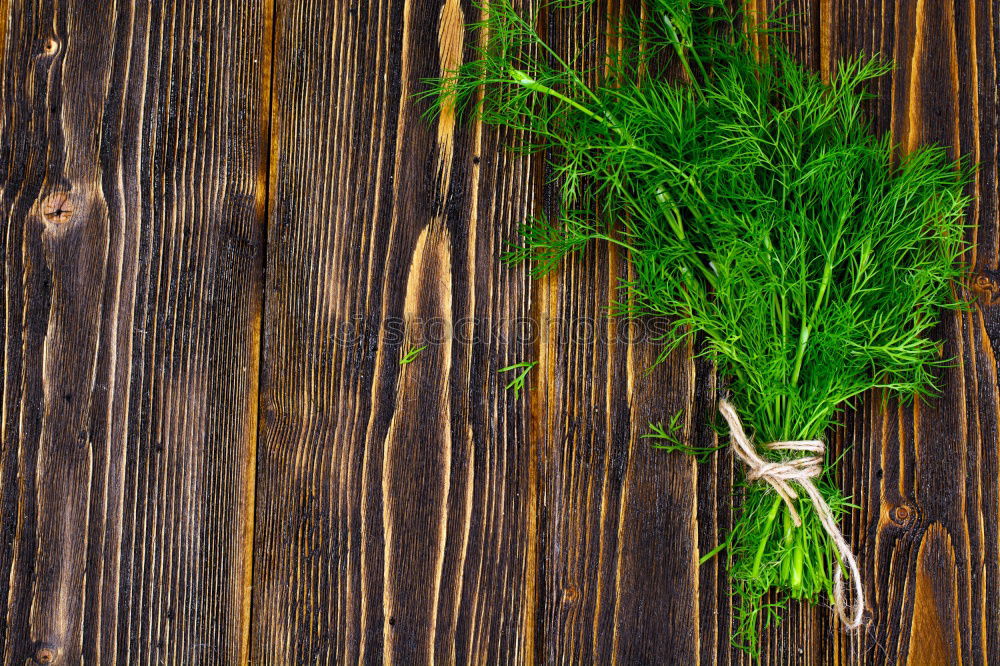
x=760, y=213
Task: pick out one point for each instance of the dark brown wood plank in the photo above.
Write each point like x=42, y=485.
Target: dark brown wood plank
x=395, y=503
x=620, y=537
x=130, y=191
x=926, y=476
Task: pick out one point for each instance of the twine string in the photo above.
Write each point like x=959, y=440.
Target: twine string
x=780, y=475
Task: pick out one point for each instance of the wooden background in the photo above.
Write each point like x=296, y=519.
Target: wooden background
x=224, y=223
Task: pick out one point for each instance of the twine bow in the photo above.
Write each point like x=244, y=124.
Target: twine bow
x=802, y=471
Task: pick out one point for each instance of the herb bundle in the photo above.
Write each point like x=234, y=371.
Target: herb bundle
x=760, y=213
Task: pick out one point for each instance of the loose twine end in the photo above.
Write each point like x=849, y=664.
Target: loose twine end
x=802, y=471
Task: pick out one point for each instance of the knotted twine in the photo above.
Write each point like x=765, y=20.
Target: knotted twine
x=802, y=471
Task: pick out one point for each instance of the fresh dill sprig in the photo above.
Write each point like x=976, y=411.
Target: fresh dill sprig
x=760, y=213
x=669, y=439
x=412, y=355
x=518, y=383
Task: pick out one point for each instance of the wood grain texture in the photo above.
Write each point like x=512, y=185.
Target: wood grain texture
x=618, y=528
x=394, y=501
x=607, y=532
x=925, y=476
x=132, y=250
x=210, y=205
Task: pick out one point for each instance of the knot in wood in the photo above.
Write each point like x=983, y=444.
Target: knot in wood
x=902, y=515
x=58, y=208
x=45, y=654
x=986, y=287
x=51, y=46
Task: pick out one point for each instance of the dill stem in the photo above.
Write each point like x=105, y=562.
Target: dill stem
x=614, y=241
x=768, y=528
x=673, y=220
x=800, y=351
x=789, y=535
x=718, y=549
x=679, y=49
x=798, y=554
x=807, y=329
x=522, y=79
x=685, y=64
x=824, y=284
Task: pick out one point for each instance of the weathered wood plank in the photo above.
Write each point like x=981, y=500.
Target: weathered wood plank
x=620, y=538
x=420, y=512
x=926, y=476
x=395, y=501
x=132, y=250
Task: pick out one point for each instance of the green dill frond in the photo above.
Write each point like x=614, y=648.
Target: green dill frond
x=520, y=378
x=669, y=439
x=412, y=355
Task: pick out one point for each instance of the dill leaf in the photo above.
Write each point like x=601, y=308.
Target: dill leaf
x=520, y=378
x=412, y=355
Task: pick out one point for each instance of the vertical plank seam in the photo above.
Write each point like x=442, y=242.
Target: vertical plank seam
x=265, y=180
x=539, y=430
